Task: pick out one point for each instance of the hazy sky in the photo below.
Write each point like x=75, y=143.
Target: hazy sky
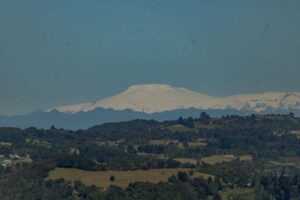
x=60, y=52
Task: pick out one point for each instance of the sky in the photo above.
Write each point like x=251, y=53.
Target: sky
x=62, y=52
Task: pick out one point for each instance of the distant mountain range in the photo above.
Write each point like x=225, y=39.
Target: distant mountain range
x=155, y=101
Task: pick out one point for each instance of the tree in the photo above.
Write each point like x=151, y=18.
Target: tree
x=182, y=176
x=112, y=178
x=217, y=197
x=189, y=122
x=218, y=183
x=180, y=120
x=172, y=179
x=204, y=117
x=131, y=149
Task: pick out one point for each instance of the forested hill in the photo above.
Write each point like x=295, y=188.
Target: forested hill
x=252, y=157
x=84, y=120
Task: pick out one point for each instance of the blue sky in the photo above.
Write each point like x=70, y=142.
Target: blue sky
x=60, y=52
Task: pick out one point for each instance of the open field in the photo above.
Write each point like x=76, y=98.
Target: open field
x=218, y=159
x=187, y=160
x=295, y=132
x=215, y=159
x=5, y=144
x=166, y=142
x=163, y=142
x=197, y=144
x=241, y=194
x=246, y=158
x=287, y=164
x=122, y=178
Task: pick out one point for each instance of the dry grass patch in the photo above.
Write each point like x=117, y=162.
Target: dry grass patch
x=122, y=178
x=24, y=160
x=286, y=164
x=179, y=128
x=187, y=160
x=197, y=144
x=166, y=142
x=163, y=142
x=218, y=159
x=295, y=132
x=215, y=159
x=5, y=144
x=246, y=158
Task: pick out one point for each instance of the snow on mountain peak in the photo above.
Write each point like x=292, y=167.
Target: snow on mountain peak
x=162, y=87
x=151, y=98
x=156, y=88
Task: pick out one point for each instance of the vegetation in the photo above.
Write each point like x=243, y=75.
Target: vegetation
x=103, y=179
x=218, y=159
x=253, y=157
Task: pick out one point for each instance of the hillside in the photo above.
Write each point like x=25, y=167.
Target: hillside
x=188, y=158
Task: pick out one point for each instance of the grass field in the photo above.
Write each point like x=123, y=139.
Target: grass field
x=246, y=158
x=296, y=133
x=5, y=144
x=215, y=159
x=122, y=178
x=163, y=142
x=241, y=194
x=197, y=144
x=287, y=164
x=166, y=142
x=187, y=160
x=218, y=159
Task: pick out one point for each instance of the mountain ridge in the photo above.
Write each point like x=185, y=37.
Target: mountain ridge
x=156, y=98
x=157, y=102
x=84, y=120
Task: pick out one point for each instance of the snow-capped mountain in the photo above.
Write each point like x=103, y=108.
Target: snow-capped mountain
x=155, y=98
x=158, y=102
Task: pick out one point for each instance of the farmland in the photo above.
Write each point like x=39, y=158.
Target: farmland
x=212, y=160
x=218, y=159
x=187, y=160
x=122, y=178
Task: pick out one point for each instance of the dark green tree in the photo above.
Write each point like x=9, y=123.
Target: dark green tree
x=182, y=176
x=112, y=178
